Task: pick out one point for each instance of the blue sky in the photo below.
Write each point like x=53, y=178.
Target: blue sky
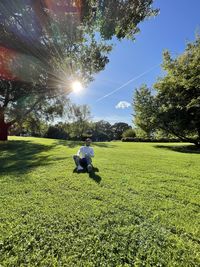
x=176, y=24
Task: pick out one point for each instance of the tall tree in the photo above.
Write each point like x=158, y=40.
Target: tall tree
x=45, y=45
x=79, y=115
x=144, y=106
x=175, y=108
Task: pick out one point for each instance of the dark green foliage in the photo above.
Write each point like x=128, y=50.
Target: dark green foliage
x=112, y=22
x=104, y=131
x=79, y=115
x=175, y=108
x=78, y=129
x=150, y=140
x=128, y=139
x=129, y=133
x=101, y=131
x=143, y=104
x=56, y=132
x=118, y=128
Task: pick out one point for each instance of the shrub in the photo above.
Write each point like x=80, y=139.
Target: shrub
x=128, y=139
x=138, y=139
x=56, y=132
x=128, y=133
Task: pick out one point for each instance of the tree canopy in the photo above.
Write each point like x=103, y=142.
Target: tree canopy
x=175, y=107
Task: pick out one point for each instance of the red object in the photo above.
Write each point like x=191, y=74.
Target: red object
x=64, y=6
x=7, y=57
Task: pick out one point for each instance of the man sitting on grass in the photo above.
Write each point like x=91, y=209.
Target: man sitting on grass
x=83, y=158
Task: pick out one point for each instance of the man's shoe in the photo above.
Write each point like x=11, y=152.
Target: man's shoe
x=89, y=168
x=79, y=168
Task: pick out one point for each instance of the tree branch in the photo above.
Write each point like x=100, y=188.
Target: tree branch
x=181, y=137
x=6, y=99
x=26, y=113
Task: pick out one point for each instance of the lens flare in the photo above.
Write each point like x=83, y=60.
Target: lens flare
x=64, y=7
x=7, y=57
x=77, y=87
x=33, y=36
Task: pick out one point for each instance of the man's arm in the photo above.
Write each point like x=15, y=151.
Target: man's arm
x=79, y=152
x=92, y=152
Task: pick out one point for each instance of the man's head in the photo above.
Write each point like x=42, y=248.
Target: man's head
x=88, y=142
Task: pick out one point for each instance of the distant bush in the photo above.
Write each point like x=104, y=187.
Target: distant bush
x=129, y=133
x=128, y=139
x=56, y=133
x=161, y=140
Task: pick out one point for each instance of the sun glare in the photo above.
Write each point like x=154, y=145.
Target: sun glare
x=77, y=87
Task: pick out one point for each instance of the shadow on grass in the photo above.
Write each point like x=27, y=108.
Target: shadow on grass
x=72, y=144
x=192, y=149
x=92, y=174
x=18, y=157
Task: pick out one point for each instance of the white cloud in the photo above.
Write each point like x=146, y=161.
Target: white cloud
x=123, y=105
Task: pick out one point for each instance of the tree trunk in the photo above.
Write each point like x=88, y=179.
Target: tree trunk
x=3, y=128
x=4, y=131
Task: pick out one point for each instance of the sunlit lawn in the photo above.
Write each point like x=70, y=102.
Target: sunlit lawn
x=142, y=208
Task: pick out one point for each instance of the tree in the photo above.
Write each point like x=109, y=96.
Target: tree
x=175, y=108
x=143, y=105
x=34, y=125
x=56, y=132
x=101, y=131
x=118, y=128
x=79, y=115
x=129, y=133
x=111, y=20
x=45, y=45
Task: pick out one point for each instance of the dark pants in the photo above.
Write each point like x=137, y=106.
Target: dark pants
x=84, y=162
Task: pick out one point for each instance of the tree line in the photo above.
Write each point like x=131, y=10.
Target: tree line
x=75, y=125
x=99, y=131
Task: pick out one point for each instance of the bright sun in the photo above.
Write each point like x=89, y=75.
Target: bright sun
x=77, y=87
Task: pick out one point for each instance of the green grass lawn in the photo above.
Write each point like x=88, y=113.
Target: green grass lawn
x=142, y=208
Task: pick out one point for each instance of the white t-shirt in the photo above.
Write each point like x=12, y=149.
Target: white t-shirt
x=85, y=151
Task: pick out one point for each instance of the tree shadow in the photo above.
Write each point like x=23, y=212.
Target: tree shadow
x=92, y=174
x=107, y=145
x=72, y=144
x=192, y=149
x=19, y=157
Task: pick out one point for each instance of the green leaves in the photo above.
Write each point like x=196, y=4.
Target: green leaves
x=112, y=22
x=144, y=106
x=174, y=107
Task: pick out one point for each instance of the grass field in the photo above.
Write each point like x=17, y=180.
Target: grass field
x=142, y=208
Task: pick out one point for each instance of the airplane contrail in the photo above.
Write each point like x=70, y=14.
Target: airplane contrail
x=130, y=81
